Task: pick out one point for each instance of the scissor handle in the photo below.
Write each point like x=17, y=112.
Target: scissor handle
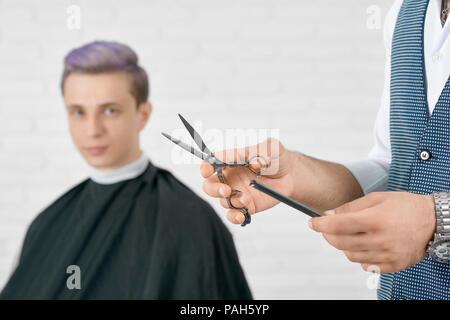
x=244, y=210
x=247, y=164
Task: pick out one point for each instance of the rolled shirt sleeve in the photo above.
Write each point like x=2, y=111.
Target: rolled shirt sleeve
x=371, y=174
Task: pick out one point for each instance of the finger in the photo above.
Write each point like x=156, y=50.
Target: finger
x=257, y=163
x=224, y=203
x=373, y=267
x=354, y=242
x=368, y=256
x=350, y=223
x=263, y=150
x=359, y=204
x=379, y=267
x=235, y=216
x=238, y=200
x=229, y=155
x=216, y=189
x=206, y=169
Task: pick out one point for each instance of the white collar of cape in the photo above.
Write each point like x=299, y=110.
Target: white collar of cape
x=129, y=171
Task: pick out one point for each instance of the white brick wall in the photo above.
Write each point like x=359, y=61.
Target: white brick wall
x=311, y=69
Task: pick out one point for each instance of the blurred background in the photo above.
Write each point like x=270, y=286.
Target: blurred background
x=311, y=71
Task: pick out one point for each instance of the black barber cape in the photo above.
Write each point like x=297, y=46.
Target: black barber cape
x=149, y=237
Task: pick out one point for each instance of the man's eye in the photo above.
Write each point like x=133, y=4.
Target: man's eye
x=110, y=111
x=78, y=112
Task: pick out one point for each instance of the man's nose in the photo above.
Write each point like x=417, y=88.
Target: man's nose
x=94, y=127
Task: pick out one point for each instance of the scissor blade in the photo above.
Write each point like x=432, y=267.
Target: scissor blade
x=186, y=147
x=198, y=140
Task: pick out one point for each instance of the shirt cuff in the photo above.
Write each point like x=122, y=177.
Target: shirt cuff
x=371, y=175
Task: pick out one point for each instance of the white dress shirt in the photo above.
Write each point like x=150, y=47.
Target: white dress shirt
x=129, y=171
x=372, y=173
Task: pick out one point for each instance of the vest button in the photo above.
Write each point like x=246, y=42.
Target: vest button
x=425, y=155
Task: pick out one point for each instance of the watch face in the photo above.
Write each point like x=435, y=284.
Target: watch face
x=441, y=251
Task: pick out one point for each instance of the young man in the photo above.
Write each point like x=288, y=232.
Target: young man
x=403, y=229
x=132, y=230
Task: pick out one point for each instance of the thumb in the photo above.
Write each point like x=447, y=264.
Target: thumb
x=359, y=204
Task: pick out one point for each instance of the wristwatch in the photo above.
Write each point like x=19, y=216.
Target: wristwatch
x=439, y=248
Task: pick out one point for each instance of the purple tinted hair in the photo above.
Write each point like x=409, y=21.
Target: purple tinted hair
x=105, y=56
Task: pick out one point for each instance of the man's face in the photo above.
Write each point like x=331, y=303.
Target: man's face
x=103, y=118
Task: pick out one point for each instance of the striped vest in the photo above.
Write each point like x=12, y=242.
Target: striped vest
x=414, y=132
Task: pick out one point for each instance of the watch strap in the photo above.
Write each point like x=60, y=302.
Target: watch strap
x=442, y=201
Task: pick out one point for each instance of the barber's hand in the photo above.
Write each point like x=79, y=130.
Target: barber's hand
x=275, y=173
x=390, y=230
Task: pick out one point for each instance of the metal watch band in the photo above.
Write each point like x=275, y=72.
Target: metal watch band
x=442, y=201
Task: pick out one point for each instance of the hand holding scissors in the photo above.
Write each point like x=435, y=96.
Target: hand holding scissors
x=217, y=164
x=276, y=172
x=272, y=164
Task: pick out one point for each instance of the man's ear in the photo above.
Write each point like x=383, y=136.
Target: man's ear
x=144, y=110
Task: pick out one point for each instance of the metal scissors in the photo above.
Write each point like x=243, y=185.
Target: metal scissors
x=217, y=164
